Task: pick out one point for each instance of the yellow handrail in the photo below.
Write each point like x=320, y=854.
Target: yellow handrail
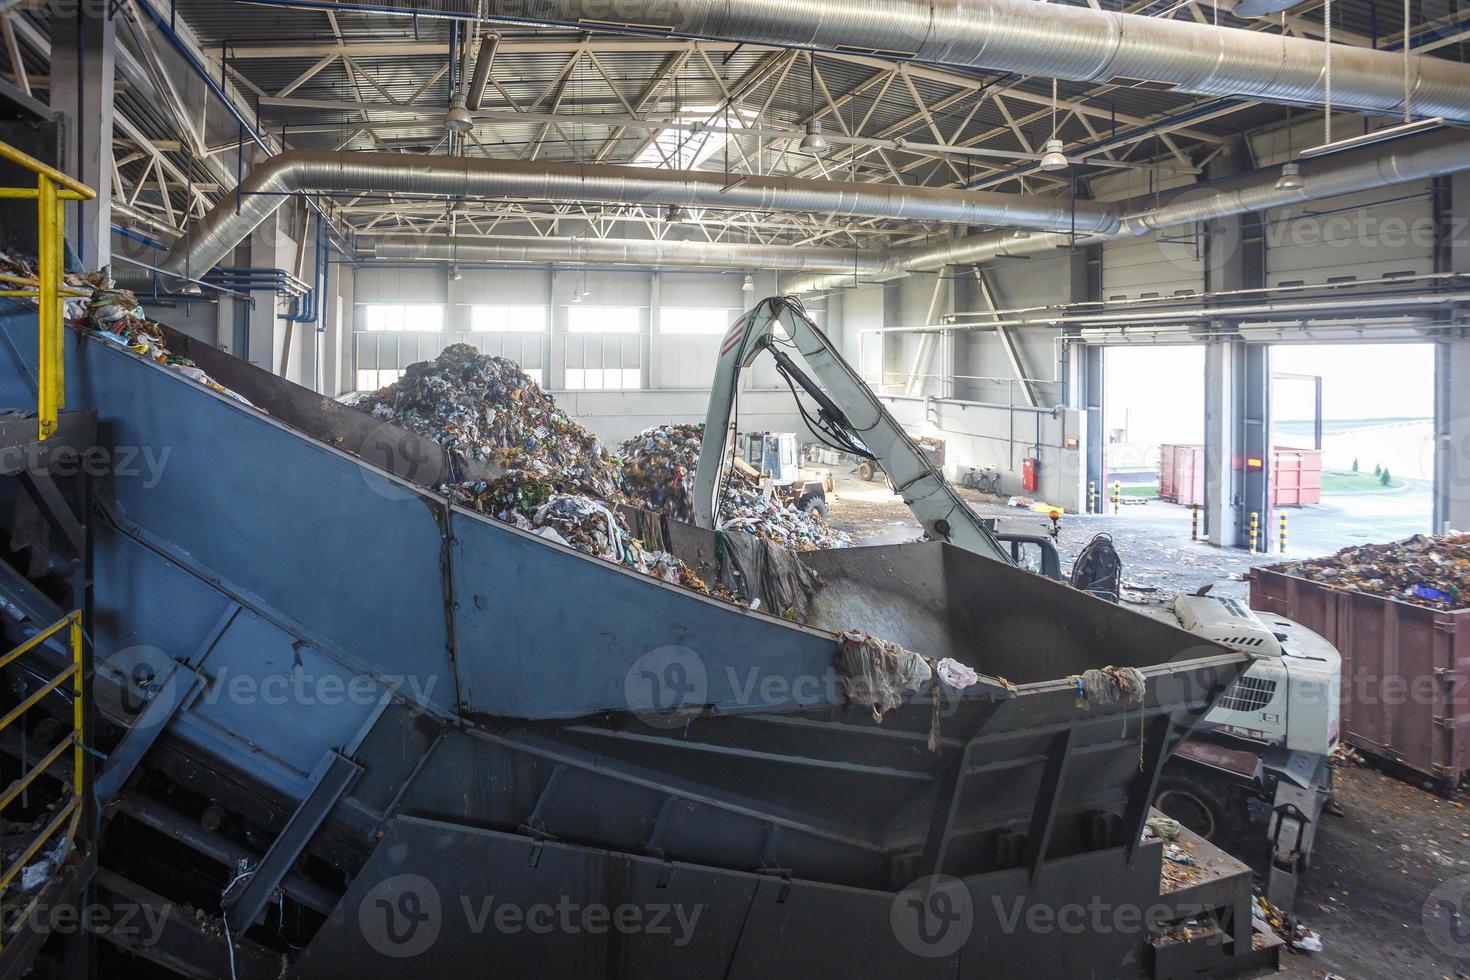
x=70, y=811
x=35, y=166
x=52, y=189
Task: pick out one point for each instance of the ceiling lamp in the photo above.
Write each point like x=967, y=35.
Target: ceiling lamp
x=749, y=285
x=674, y=215
x=455, y=274
x=458, y=118
x=1290, y=179
x=1052, y=157
x=814, y=140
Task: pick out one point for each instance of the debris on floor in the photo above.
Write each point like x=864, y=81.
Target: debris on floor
x=659, y=466
x=1426, y=570
x=486, y=408
x=1296, y=935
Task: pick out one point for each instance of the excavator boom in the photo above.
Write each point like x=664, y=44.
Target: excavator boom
x=848, y=416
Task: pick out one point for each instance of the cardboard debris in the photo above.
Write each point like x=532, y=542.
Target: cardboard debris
x=487, y=408
x=658, y=469
x=1426, y=570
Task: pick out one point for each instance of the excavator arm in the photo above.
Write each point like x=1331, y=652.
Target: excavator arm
x=848, y=417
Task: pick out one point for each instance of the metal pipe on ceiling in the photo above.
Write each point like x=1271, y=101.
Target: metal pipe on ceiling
x=484, y=63
x=1054, y=40
x=1419, y=158
x=1282, y=310
x=270, y=183
x=624, y=251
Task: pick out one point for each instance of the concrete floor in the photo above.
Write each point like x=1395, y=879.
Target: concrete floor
x=1159, y=559
x=1373, y=871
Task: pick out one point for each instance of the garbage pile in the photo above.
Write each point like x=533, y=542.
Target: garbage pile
x=659, y=465
x=116, y=315
x=487, y=408
x=658, y=470
x=577, y=520
x=1426, y=570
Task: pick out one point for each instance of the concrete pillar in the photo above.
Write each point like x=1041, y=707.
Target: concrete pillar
x=1452, y=373
x=264, y=336
x=1222, y=493
x=83, y=53
x=1452, y=435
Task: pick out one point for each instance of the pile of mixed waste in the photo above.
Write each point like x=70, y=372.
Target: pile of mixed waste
x=116, y=315
x=486, y=408
x=1426, y=570
x=547, y=509
x=658, y=470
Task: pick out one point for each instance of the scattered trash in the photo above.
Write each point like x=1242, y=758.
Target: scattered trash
x=581, y=522
x=1426, y=570
x=659, y=465
x=658, y=469
x=36, y=874
x=116, y=315
x=1109, y=685
x=1162, y=827
x=880, y=674
x=1177, y=854
x=1296, y=935
x=956, y=674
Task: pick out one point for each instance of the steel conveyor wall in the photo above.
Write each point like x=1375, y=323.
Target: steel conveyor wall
x=478, y=685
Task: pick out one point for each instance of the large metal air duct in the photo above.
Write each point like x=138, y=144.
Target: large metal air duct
x=1421, y=158
x=1025, y=37
x=262, y=191
x=627, y=251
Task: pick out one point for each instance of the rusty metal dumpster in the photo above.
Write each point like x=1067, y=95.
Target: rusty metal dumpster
x=1404, y=671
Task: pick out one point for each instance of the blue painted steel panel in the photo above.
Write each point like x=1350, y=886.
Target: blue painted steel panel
x=548, y=632
x=263, y=684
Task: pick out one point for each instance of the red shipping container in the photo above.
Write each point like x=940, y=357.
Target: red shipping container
x=1182, y=473
x=1296, y=475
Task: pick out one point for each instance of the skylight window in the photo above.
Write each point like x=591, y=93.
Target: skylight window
x=686, y=149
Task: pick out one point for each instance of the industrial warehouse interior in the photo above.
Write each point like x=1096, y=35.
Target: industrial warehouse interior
x=906, y=489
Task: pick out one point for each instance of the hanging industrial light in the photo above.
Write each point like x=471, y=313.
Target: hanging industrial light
x=455, y=274
x=674, y=215
x=458, y=118
x=1052, y=157
x=1291, y=177
x=749, y=285
x=814, y=140
x=1291, y=174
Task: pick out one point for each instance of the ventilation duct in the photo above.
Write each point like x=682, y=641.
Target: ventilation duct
x=265, y=188
x=1424, y=158
x=637, y=252
x=1054, y=40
